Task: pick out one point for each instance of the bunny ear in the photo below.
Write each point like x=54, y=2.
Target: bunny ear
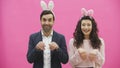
x=90, y=12
x=43, y=5
x=51, y=5
x=84, y=12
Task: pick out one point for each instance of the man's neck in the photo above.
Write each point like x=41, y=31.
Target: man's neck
x=47, y=33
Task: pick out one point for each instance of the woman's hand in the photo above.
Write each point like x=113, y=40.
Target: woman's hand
x=93, y=55
x=83, y=53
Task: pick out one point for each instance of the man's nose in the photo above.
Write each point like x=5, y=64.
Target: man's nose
x=47, y=22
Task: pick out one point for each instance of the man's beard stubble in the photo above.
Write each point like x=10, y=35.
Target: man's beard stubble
x=46, y=28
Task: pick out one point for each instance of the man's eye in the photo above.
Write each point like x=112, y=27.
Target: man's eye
x=49, y=20
x=44, y=19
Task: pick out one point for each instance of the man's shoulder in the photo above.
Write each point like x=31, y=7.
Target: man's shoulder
x=35, y=34
x=58, y=34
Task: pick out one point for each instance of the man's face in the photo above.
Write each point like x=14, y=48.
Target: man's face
x=47, y=22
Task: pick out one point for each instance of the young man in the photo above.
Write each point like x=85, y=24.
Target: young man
x=47, y=48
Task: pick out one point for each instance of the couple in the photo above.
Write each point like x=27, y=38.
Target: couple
x=47, y=48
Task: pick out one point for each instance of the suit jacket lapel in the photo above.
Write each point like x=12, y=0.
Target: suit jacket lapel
x=40, y=36
x=54, y=39
x=54, y=36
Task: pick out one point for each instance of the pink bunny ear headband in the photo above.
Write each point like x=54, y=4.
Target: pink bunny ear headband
x=44, y=5
x=87, y=13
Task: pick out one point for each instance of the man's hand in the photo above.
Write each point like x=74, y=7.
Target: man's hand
x=40, y=46
x=83, y=53
x=53, y=46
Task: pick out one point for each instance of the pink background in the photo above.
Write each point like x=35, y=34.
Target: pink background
x=20, y=18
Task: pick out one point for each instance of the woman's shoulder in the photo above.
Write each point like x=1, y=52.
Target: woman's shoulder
x=102, y=40
x=71, y=40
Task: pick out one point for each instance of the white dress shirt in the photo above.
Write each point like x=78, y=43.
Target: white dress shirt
x=47, y=54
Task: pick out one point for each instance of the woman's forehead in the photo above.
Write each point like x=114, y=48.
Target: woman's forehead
x=86, y=21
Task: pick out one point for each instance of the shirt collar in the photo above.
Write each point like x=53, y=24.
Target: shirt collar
x=49, y=35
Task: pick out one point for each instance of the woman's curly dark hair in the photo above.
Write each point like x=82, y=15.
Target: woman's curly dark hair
x=79, y=36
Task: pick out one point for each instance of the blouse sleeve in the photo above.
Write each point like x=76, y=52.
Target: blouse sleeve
x=101, y=55
x=74, y=56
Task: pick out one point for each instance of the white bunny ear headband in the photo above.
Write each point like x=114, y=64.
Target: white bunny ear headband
x=87, y=13
x=45, y=7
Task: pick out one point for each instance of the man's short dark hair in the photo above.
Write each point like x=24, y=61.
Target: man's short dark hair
x=45, y=12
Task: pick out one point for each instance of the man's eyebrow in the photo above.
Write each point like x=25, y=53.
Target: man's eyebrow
x=49, y=18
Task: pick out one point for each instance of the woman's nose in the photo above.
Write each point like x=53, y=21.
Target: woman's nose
x=86, y=27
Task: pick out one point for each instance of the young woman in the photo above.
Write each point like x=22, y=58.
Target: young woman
x=86, y=48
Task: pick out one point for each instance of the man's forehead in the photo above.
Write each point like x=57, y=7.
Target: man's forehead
x=47, y=16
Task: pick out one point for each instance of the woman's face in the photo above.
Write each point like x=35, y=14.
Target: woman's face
x=86, y=27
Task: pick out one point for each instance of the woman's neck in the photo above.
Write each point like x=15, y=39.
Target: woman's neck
x=86, y=37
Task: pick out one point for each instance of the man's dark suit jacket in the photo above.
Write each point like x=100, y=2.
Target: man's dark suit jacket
x=57, y=56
